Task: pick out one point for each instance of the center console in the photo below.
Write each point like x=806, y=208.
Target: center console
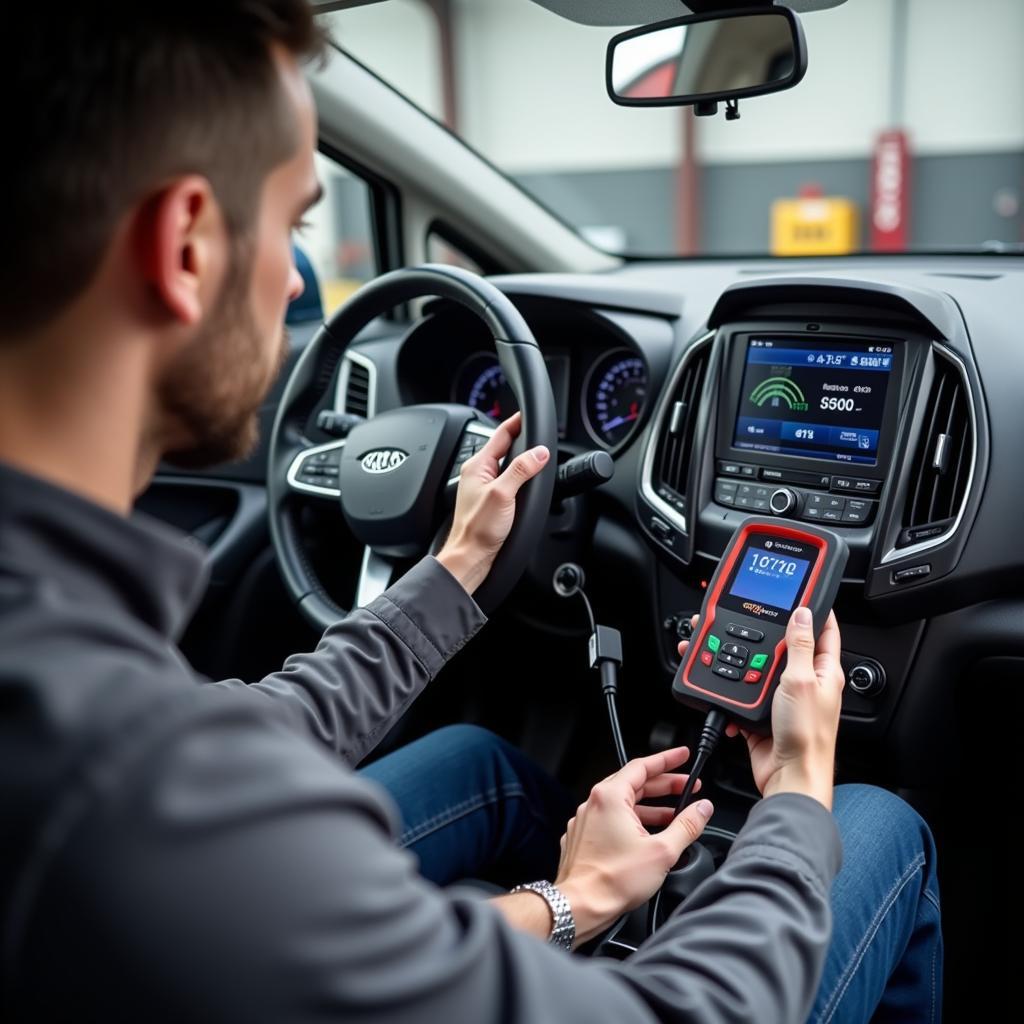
x=854, y=406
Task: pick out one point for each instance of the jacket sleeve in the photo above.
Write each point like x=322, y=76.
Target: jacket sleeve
x=370, y=666
x=238, y=873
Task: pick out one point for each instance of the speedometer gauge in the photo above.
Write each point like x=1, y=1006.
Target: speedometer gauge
x=480, y=382
x=614, y=396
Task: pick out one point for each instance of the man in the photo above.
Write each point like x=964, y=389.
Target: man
x=174, y=849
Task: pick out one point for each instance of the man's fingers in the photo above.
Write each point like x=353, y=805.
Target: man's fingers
x=829, y=644
x=683, y=644
x=657, y=816
x=664, y=785
x=638, y=771
x=687, y=826
x=522, y=468
x=800, y=646
x=500, y=441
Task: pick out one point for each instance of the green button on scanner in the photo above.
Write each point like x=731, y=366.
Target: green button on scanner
x=758, y=660
x=713, y=643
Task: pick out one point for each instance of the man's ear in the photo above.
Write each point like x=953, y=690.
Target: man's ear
x=183, y=242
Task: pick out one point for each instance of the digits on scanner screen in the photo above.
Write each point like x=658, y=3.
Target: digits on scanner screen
x=770, y=578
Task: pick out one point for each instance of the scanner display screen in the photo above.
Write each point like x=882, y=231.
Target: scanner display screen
x=769, y=577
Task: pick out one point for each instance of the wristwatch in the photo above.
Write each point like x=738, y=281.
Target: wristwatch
x=563, y=931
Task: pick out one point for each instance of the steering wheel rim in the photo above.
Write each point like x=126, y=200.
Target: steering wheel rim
x=525, y=371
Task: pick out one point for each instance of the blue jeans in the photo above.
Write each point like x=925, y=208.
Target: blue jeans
x=474, y=806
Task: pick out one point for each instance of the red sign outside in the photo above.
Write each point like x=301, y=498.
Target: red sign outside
x=890, y=193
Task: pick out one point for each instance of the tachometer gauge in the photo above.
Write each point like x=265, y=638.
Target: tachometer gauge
x=613, y=397
x=481, y=383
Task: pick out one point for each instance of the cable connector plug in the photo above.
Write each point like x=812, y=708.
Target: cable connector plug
x=605, y=645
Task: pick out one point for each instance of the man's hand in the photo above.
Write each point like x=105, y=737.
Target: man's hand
x=610, y=862
x=485, y=505
x=799, y=756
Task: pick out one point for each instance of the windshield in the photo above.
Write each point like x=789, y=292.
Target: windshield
x=907, y=133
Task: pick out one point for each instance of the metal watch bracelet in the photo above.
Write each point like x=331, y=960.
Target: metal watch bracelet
x=563, y=931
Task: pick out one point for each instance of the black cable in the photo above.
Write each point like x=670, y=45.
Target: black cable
x=605, y=648
x=590, y=611
x=714, y=726
x=609, y=684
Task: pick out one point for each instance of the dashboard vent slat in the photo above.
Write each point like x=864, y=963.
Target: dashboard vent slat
x=937, y=488
x=357, y=389
x=675, y=445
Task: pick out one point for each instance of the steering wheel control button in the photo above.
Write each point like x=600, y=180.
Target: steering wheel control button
x=706, y=658
x=752, y=676
x=726, y=672
x=713, y=643
x=915, y=572
x=759, y=661
x=745, y=633
x=316, y=471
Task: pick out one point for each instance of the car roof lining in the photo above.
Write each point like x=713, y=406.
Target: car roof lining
x=611, y=12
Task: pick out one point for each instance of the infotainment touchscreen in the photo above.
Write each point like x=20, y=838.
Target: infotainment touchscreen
x=803, y=397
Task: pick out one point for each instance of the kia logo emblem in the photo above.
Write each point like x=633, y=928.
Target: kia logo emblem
x=383, y=460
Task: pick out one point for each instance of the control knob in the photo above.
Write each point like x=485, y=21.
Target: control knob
x=784, y=500
x=867, y=678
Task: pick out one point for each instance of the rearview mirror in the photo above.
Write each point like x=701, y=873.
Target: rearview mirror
x=705, y=58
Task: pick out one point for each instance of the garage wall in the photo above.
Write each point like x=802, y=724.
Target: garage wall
x=531, y=98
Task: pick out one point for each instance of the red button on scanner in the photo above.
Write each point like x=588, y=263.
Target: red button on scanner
x=753, y=676
x=706, y=657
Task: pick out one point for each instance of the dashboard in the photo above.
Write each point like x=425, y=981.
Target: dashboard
x=878, y=397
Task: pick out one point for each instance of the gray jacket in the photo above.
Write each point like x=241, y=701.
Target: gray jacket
x=178, y=850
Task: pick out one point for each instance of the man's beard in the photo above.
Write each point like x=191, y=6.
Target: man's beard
x=215, y=387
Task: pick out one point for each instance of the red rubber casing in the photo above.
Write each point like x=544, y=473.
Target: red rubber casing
x=750, y=705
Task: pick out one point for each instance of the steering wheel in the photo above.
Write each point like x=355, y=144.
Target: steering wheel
x=394, y=475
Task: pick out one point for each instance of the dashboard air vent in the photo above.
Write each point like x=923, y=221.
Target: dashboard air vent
x=672, y=456
x=356, y=398
x=941, y=469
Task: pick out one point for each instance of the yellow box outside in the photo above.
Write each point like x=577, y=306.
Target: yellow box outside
x=818, y=226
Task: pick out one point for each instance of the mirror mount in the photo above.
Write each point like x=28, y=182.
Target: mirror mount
x=710, y=57
x=708, y=108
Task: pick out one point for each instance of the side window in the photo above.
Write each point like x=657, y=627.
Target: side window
x=335, y=253
x=440, y=250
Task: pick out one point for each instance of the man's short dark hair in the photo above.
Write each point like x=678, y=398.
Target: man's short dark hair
x=104, y=102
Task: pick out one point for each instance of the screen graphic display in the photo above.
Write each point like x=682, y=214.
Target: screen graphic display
x=769, y=576
x=800, y=397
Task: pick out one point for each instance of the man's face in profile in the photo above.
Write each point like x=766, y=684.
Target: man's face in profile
x=215, y=386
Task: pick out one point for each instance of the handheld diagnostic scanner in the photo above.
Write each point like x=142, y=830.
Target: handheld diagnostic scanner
x=737, y=656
